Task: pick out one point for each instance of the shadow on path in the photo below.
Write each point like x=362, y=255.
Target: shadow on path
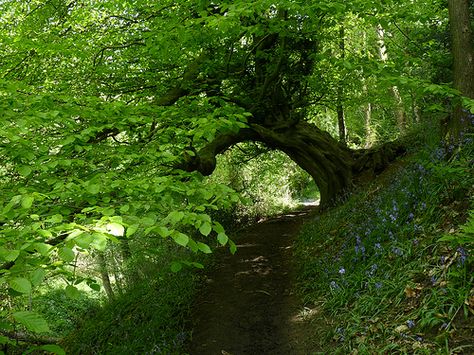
x=247, y=305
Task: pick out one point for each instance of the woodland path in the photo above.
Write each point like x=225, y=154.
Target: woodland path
x=247, y=305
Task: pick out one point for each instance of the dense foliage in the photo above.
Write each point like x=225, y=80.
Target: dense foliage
x=114, y=113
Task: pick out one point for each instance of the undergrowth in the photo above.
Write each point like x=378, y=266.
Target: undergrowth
x=391, y=270
x=148, y=319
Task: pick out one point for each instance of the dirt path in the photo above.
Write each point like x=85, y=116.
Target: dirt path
x=247, y=305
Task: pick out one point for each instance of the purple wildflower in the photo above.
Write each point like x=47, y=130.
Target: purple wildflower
x=462, y=255
x=411, y=323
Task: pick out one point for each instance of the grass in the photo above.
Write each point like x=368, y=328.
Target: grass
x=150, y=318
x=391, y=268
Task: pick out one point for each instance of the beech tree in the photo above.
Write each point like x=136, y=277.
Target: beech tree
x=463, y=64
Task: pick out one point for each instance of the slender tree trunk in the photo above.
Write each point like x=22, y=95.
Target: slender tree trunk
x=399, y=111
x=340, y=92
x=463, y=65
x=104, y=274
x=369, y=131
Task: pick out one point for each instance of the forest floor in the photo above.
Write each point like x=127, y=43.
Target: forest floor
x=247, y=305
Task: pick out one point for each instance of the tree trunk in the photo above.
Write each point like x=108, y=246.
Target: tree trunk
x=399, y=111
x=331, y=164
x=340, y=92
x=104, y=274
x=463, y=65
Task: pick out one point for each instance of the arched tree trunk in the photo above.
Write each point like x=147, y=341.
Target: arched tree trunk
x=332, y=165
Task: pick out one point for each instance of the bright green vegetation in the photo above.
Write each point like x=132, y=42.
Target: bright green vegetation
x=391, y=270
x=135, y=134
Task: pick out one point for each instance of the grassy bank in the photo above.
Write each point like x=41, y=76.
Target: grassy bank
x=391, y=270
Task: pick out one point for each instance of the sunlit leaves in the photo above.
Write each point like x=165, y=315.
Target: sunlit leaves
x=72, y=292
x=205, y=228
x=32, y=321
x=8, y=255
x=66, y=254
x=131, y=230
x=20, y=284
x=116, y=229
x=222, y=238
x=180, y=238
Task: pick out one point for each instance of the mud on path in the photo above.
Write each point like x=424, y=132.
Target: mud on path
x=247, y=305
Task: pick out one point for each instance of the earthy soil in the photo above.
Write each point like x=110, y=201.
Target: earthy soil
x=247, y=304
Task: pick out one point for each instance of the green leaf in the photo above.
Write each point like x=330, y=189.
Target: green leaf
x=72, y=292
x=42, y=248
x=83, y=240
x=222, y=238
x=131, y=230
x=175, y=216
x=205, y=228
x=38, y=276
x=181, y=239
x=9, y=255
x=115, y=229
x=204, y=248
x=218, y=228
x=32, y=321
x=66, y=254
x=20, y=284
x=197, y=265
x=57, y=218
x=53, y=348
x=124, y=208
x=27, y=201
x=94, y=286
x=99, y=241
x=25, y=170
x=93, y=189
x=163, y=231
x=176, y=266
x=232, y=247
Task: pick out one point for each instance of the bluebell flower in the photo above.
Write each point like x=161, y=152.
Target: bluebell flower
x=462, y=255
x=333, y=285
x=397, y=251
x=342, y=271
x=434, y=280
x=378, y=285
x=411, y=323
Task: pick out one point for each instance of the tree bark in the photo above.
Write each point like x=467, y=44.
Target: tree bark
x=331, y=164
x=340, y=92
x=104, y=274
x=399, y=110
x=463, y=64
